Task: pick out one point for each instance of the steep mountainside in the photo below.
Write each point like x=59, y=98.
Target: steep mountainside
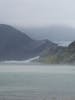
x=16, y=45
x=59, y=55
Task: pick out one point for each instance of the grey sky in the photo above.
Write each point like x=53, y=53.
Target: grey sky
x=37, y=12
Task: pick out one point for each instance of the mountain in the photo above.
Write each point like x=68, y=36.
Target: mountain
x=53, y=33
x=16, y=45
x=59, y=55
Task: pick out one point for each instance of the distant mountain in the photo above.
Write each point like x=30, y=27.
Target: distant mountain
x=53, y=33
x=16, y=45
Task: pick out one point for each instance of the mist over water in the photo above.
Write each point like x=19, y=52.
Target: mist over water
x=40, y=68
x=37, y=82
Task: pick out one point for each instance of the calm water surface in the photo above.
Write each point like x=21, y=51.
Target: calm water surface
x=21, y=82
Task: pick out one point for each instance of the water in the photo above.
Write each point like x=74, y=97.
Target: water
x=26, y=82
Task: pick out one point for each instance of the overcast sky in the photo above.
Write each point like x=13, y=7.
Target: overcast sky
x=37, y=13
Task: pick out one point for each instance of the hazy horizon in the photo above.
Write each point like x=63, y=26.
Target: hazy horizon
x=37, y=13
x=39, y=16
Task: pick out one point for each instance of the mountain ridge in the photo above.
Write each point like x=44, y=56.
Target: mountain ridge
x=52, y=33
x=16, y=45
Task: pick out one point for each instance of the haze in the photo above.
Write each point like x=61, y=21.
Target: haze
x=37, y=13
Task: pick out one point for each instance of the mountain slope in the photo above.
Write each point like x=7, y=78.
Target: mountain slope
x=13, y=43
x=59, y=55
x=16, y=45
x=53, y=33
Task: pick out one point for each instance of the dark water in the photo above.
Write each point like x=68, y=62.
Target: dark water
x=36, y=85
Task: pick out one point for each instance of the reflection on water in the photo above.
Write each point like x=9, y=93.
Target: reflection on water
x=21, y=82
